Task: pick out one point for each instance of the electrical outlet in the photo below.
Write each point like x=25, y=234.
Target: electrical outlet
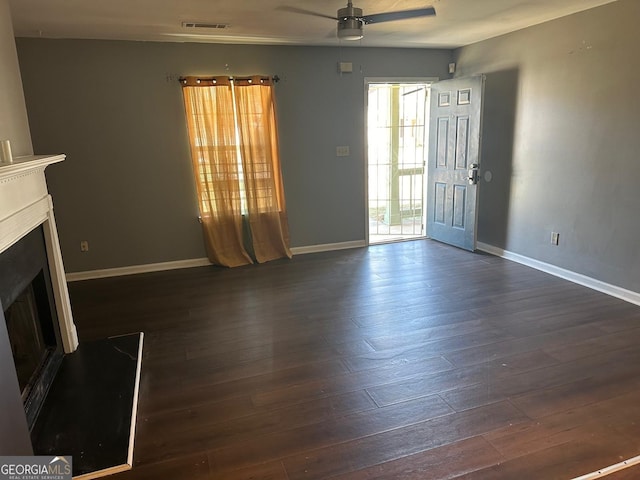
x=555, y=238
x=84, y=246
x=342, y=151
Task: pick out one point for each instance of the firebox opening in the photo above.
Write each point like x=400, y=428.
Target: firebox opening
x=26, y=295
x=31, y=334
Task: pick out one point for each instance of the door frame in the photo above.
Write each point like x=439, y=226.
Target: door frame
x=367, y=82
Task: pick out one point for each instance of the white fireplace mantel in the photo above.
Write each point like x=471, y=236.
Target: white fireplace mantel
x=25, y=204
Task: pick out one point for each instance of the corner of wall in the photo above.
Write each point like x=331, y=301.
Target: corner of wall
x=14, y=122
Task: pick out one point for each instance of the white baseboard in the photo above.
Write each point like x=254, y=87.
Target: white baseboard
x=135, y=269
x=613, y=290
x=328, y=247
x=194, y=262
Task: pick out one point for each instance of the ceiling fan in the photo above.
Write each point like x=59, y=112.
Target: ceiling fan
x=351, y=20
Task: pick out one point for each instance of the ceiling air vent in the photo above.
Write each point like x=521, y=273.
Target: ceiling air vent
x=215, y=26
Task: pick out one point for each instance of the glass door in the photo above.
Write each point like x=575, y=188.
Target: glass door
x=397, y=115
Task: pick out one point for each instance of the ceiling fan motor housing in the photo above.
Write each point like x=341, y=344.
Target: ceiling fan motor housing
x=350, y=22
x=350, y=13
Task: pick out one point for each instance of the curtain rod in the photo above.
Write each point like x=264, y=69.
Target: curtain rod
x=274, y=78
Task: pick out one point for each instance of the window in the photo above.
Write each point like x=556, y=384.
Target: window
x=234, y=151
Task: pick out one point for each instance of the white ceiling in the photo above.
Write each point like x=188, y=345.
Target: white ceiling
x=457, y=23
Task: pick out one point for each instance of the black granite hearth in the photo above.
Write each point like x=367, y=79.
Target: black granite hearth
x=90, y=410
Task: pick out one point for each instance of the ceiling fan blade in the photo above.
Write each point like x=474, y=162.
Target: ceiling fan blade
x=400, y=15
x=302, y=11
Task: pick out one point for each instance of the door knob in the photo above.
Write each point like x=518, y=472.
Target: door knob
x=473, y=174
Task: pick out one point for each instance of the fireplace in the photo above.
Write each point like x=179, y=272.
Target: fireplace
x=25, y=204
x=90, y=408
x=33, y=289
x=26, y=296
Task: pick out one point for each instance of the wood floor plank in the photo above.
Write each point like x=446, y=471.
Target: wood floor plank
x=600, y=387
x=464, y=388
x=332, y=432
x=188, y=467
x=441, y=339
x=413, y=331
x=570, y=351
x=266, y=471
x=482, y=353
x=201, y=390
x=206, y=427
x=435, y=464
x=619, y=322
x=338, y=384
x=427, y=384
x=391, y=358
x=501, y=384
x=411, y=320
x=618, y=414
x=398, y=443
x=564, y=461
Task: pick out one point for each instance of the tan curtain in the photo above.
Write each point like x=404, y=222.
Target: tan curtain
x=255, y=105
x=215, y=127
x=211, y=125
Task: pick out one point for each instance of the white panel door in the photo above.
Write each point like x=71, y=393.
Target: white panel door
x=454, y=160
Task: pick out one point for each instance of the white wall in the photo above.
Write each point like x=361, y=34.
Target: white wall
x=14, y=124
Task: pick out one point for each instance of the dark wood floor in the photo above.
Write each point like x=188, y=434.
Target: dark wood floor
x=404, y=361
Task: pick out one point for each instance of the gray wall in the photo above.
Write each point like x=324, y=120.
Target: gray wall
x=126, y=186
x=14, y=433
x=562, y=140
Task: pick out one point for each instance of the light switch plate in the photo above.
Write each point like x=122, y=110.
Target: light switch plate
x=342, y=151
